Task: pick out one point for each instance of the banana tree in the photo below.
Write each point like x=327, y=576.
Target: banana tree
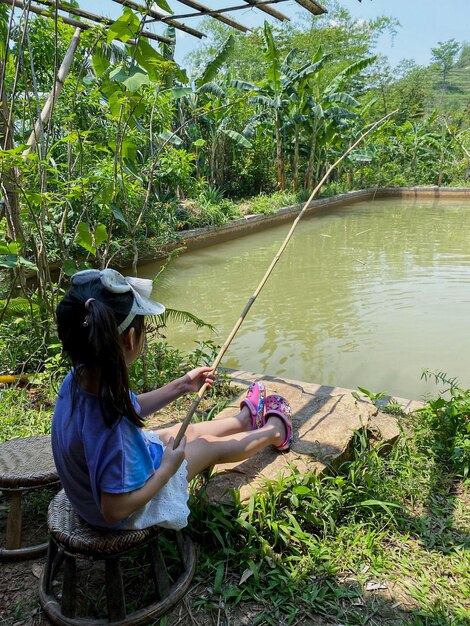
x=330, y=112
x=279, y=98
x=297, y=87
x=206, y=114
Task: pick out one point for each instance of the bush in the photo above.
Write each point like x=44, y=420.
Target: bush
x=161, y=363
x=444, y=426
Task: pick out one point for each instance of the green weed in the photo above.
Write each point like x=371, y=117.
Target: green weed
x=306, y=546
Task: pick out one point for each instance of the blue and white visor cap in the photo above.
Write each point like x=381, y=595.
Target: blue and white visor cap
x=115, y=282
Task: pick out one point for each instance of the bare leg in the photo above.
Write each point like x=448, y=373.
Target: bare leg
x=215, y=428
x=208, y=450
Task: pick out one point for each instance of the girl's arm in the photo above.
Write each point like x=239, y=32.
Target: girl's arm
x=192, y=381
x=117, y=506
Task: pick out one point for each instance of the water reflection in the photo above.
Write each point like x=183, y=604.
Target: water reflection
x=367, y=295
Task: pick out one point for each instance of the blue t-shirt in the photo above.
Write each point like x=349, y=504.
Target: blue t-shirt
x=91, y=457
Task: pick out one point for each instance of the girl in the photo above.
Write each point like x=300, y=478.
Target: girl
x=115, y=474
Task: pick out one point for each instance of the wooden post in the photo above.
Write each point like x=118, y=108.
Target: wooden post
x=13, y=532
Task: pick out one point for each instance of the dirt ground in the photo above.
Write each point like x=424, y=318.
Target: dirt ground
x=19, y=604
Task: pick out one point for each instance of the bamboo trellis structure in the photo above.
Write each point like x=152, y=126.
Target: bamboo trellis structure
x=56, y=9
x=83, y=20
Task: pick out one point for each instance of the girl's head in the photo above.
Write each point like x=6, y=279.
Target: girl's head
x=100, y=323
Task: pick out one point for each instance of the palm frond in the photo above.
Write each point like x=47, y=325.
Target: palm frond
x=212, y=68
x=183, y=317
x=17, y=307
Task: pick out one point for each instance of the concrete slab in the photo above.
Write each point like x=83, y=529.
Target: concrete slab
x=324, y=421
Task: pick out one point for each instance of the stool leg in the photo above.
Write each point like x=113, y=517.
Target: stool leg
x=13, y=531
x=181, y=548
x=159, y=571
x=114, y=590
x=69, y=586
x=49, y=571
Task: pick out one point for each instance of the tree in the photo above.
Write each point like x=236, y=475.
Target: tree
x=444, y=55
x=464, y=58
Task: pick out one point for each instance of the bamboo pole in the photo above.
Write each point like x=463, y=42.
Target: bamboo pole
x=214, y=12
x=203, y=10
x=20, y=4
x=159, y=17
x=98, y=18
x=252, y=298
x=269, y=10
x=54, y=94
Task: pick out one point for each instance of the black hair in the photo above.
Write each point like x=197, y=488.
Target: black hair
x=91, y=339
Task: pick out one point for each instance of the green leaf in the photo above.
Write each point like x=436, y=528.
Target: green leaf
x=254, y=569
x=301, y=490
x=343, y=98
x=69, y=267
x=212, y=68
x=25, y=263
x=124, y=28
x=10, y=247
x=83, y=238
x=237, y=137
x=33, y=197
x=136, y=79
x=182, y=317
x=118, y=74
x=384, y=505
x=100, y=62
x=170, y=137
x=118, y=214
x=352, y=69
x=115, y=102
x=163, y=4
x=199, y=142
x=177, y=92
x=271, y=54
x=128, y=148
x=148, y=58
x=101, y=234
x=219, y=577
x=361, y=156
x=9, y=261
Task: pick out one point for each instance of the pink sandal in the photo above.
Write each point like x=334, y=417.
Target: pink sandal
x=277, y=405
x=254, y=400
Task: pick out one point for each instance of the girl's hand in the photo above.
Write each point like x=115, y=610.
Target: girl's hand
x=172, y=459
x=196, y=378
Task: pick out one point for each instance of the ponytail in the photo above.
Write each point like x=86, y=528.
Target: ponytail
x=88, y=329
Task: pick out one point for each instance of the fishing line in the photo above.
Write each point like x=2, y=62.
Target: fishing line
x=252, y=299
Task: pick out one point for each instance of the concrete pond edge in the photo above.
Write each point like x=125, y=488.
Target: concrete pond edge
x=210, y=235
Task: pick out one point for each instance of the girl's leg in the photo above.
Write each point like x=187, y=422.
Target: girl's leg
x=215, y=428
x=208, y=450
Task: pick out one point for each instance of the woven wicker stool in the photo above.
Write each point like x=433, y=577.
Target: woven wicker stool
x=71, y=539
x=25, y=464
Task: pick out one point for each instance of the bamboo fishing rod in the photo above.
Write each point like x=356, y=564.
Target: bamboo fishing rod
x=252, y=299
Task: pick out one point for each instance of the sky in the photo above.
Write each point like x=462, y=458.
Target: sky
x=424, y=23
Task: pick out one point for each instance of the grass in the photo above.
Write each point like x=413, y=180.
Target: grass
x=25, y=412
x=211, y=208
x=382, y=540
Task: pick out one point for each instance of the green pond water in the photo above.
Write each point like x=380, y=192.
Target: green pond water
x=366, y=295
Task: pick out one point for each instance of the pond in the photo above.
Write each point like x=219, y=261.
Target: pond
x=369, y=295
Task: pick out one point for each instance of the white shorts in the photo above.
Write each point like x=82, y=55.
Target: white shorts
x=169, y=507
